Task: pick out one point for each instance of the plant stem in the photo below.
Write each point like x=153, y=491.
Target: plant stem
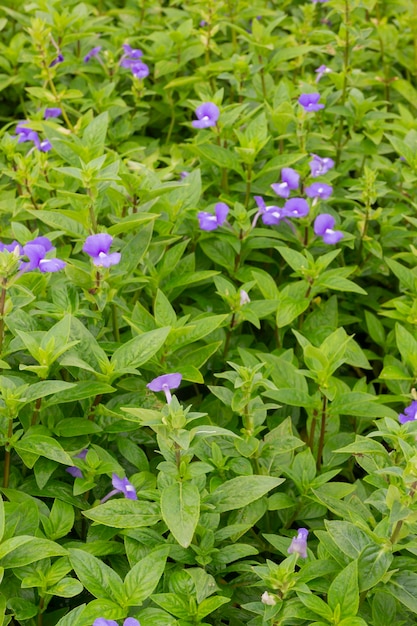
x=322, y=431
x=116, y=331
x=6, y=468
x=228, y=336
x=248, y=185
x=36, y=411
x=2, y=307
x=345, y=78
x=396, y=531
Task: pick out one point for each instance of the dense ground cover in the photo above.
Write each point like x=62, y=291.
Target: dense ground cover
x=208, y=312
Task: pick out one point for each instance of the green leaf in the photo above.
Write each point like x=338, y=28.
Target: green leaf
x=180, y=507
x=139, y=350
x=344, y=591
x=125, y=513
x=373, y=563
x=144, y=576
x=316, y=604
x=66, y=588
x=79, y=391
x=2, y=527
x=42, y=445
x=405, y=88
x=350, y=539
x=164, y=312
x=94, y=136
x=209, y=605
x=25, y=550
x=60, y=521
x=241, y=491
x=97, y=577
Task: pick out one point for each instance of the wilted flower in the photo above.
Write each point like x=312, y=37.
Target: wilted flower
x=322, y=70
x=290, y=181
x=207, y=114
x=410, y=413
x=98, y=246
x=310, y=102
x=319, y=190
x=320, y=165
x=299, y=543
x=244, y=297
x=52, y=112
x=36, y=251
x=296, y=207
x=94, y=52
x=323, y=226
x=268, y=599
x=121, y=485
x=165, y=383
x=208, y=221
x=58, y=59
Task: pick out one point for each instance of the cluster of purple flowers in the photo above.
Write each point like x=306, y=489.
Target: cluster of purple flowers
x=36, y=252
x=299, y=207
x=131, y=59
x=25, y=133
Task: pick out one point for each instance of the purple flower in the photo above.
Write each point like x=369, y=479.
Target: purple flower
x=52, y=112
x=290, y=180
x=296, y=207
x=98, y=246
x=299, y=543
x=184, y=175
x=27, y=134
x=319, y=1
x=58, y=59
x=45, y=145
x=36, y=251
x=121, y=485
x=320, y=166
x=133, y=53
x=94, y=52
x=410, y=413
x=11, y=247
x=139, y=69
x=165, y=383
x=207, y=114
x=319, y=190
x=129, y=621
x=73, y=470
x=310, y=102
x=271, y=215
x=208, y=221
x=321, y=71
x=323, y=227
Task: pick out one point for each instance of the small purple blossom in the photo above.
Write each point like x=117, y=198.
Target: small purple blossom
x=208, y=221
x=299, y=543
x=271, y=215
x=58, y=59
x=133, y=53
x=319, y=1
x=165, y=383
x=73, y=470
x=139, y=69
x=310, y=102
x=121, y=485
x=319, y=190
x=94, y=52
x=36, y=251
x=97, y=247
x=25, y=133
x=320, y=165
x=45, y=145
x=11, y=247
x=207, y=114
x=321, y=71
x=290, y=181
x=296, y=207
x=184, y=175
x=129, y=621
x=52, y=112
x=323, y=227
x=410, y=413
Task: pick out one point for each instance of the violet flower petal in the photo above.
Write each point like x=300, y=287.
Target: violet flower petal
x=94, y=244
x=310, y=102
x=319, y=190
x=221, y=209
x=52, y=112
x=410, y=413
x=297, y=207
x=171, y=381
x=299, y=543
x=124, y=486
